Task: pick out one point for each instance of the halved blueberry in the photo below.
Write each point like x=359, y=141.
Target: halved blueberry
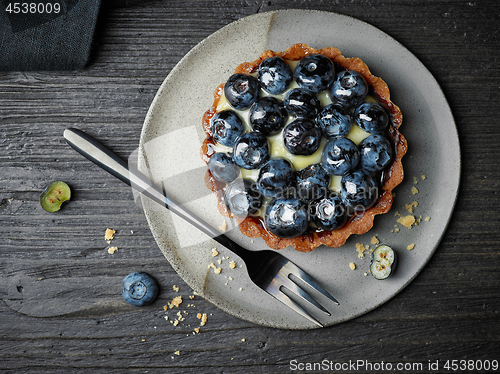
x=340, y=156
x=376, y=153
x=287, y=217
x=302, y=137
x=226, y=127
x=335, y=120
x=302, y=103
x=372, y=118
x=329, y=212
x=251, y=150
x=315, y=73
x=383, y=262
x=241, y=90
x=275, y=177
x=275, y=75
x=242, y=197
x=349, y=89
x=359, y=190
x=223, y=168
x=268, y=115
x=312, y=182
x=139, y=288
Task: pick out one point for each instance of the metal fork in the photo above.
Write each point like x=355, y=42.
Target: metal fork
x=269, y=270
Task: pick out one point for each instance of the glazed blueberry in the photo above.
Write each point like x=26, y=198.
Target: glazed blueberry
x=241, y=90
x=302, y=103
x=329, y=212
x=226, y=127
x=302, y=137
x=275, y=75
x=268, y=115
x=315, y=73
x=349, y=89
x=371, y=117
x=312, y=182
x=275, y=177
x=340, y=156
x=242, y=197
x=251, y=150
x=287, y=217
x=223, y=168
x=334, y=120
x=139, y=288
x=376, y=153
x=359, y=189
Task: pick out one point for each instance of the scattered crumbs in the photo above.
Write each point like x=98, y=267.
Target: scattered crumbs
x=243, y=340
x=397, y=214
x=143, y=340
x=175, y=288
x=396, y=230
x=427, y=219
x=166, y=318
x=232, y=264
x=196, y=330
x=109, y=235
x=177, y=353
x=411, y=246
x=223, y=227
x=112, y=250
x=175, y=322
x=414, y=190
x=360, y=248
x=407, y=221
x=216, y=269
x=352, y=265
x=215, y=253
x=415, y=180
x=203, y=318
x=176, y=301
x=165, y=308
x=424, y=177
x=374, y=240
x=411, y=207
x=219, y=261
x=191, y=297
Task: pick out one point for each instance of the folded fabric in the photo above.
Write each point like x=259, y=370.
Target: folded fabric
x=49, y=35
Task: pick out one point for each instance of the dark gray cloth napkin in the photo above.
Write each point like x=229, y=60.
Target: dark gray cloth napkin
x=49, y=35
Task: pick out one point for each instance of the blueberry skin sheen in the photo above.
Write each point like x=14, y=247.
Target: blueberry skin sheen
x=242, y=197
x=302, y=103
x=287, y=217
x=302, y=137
x=226, y=126
x=312, y=182
x=334, y=120
x=340, y=156
x=376, y=153
x=349, y=89
x=329, y=211
x=315, y=73
x=251, y=150
x=275, y=75
x=241, y=90
x=223, y=168
x=372, y=118
x=139, y=288
x=268, y=115
x=275, y=177
x=359, y=189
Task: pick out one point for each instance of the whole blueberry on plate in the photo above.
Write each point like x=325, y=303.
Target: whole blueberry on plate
x=312, y=182
x=287, y=217
x=241, y=90
x=268, y=115
x=335, y=120
x=372, y=118
x=242, y=197
x=251, y=150
x=315, y=73
x=359, y=189
x=302, y=103
x=275, y=75
x=329, y=212
x=226, y=126
x=349, y=89
x=223, y=168
x=376, y=153
x=302, y=137
x=139, y=288
x=276, y=177
x=340, y=156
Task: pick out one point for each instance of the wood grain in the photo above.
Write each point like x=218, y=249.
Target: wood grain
x=61, y=309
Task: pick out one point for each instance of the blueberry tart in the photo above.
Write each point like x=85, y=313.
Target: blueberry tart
x=303, y=147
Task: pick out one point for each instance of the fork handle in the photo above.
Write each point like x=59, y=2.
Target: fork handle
x=116, y=166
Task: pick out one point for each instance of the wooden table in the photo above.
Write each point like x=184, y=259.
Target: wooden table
x=61, y=308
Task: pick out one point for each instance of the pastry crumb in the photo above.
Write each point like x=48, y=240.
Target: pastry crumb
x=176, y=301
x=408, y=221
x=360, y=248
x=352, y=265
x=175, y=288
x=109, y=234
x=411, y=207
x=424, y=177
x=414, y=190
x=112, y=250
x=197, y=330
x=427, y=219
x=215, y=253
x=415, y=180
x=243, y=340
x=232, y=264
x=411, y=246
x=374, y=240
x=191, y=297
x=177, y=353
x=223, y=226
x=203, y=318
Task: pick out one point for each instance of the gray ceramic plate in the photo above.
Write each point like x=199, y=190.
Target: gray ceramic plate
x=169, y=152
